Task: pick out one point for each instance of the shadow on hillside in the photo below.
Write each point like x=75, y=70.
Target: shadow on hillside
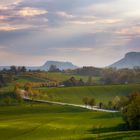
x=107, y=115
x=112, y=133
x=101, y=129
x=117, y=136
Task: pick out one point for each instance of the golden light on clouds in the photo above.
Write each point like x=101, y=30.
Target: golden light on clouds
x=2, y=17
x=13, y=27
x=129, y=31
x=27, y=11
x=7, y=28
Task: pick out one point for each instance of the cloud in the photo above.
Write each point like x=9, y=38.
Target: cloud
x=28, y=11
x=96, y=21
x=3, y=17
x=100, y=31
x=9, y=2
x=14, y=27
x=129, y=31
x=19, y=18
x=64, y=14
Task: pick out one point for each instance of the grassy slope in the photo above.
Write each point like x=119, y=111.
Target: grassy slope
x=62, y=76
x=59, y=76
x=102, y=93
x=44, y=122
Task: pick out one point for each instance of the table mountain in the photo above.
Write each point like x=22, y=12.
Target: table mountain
x=131, y=60
x=58, y=64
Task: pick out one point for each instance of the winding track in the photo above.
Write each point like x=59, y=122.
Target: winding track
x=67, y=104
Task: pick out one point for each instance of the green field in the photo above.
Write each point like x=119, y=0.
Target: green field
x=61, y=76
x=51, y=122
x=102, y=93
x=25, y=79
x=57, y=76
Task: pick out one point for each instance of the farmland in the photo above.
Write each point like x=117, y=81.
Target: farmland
x=40, y=122
x=33, y=121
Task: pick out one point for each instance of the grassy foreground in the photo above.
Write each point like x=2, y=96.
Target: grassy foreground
x=51, y=122
x=103, y=93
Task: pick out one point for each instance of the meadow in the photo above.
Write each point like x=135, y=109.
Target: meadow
x=30, y=121
x=60, y=76
x=101, y=93
x=53, y=122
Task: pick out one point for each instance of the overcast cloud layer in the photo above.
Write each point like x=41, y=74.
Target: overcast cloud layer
x=85, y=32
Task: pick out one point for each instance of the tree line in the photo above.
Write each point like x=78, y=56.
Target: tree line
x=110, y=75
x=14, y=70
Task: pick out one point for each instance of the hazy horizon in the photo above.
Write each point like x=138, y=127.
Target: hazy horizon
x=63, y=61
x=84, y=32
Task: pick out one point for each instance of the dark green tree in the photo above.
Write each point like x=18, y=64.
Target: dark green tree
x=131, y=114
x=85, y=101
x=91, y=102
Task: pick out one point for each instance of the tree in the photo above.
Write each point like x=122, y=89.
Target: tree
x=91, y=102
x=124, y=101
x=87, y=71
x=85, y=101
x=109, y=75
x=101, y=105
x=2, y=80
x=131, y=113
x=23, y=69
x=71, y=82
x=116, y=102
x=89, y=82
x=13, y=69
x=53, y=68
x=28, y=89
x=17, y=93
x=17, y=86
x=81, y=82
x=7, y=100
x=110, y=105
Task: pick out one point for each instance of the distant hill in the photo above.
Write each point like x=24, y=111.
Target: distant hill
x=58, y=64
x=46, y=66
x=131, y=60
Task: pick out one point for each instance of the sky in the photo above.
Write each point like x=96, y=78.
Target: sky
x=84, y=32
